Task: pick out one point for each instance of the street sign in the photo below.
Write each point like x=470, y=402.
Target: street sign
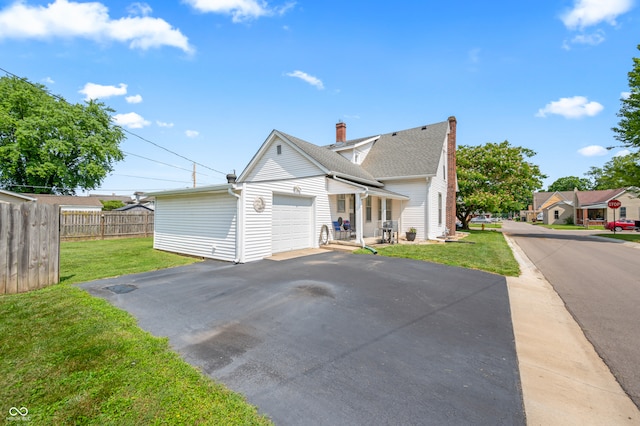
x=614, y=204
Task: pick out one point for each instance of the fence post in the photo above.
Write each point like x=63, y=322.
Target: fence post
x=102, y=226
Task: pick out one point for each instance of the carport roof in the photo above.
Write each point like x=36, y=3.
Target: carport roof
x=182, y=191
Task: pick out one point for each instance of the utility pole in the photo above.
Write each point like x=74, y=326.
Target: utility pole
x=193, y=175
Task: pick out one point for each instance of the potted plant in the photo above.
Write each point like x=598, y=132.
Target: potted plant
x=411, y=234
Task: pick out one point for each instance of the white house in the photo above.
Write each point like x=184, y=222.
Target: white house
x=291, y=193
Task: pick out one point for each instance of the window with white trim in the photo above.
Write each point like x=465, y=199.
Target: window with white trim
x=341, y=203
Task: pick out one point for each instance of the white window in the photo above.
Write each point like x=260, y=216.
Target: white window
x=368, y=209
x=341, y=203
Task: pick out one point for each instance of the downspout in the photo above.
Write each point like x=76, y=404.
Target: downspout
x=238, y=227
x=360, y=226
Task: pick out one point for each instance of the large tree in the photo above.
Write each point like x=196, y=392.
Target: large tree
x=568, y=183
x=628, y=129
x=48, y=145
x=619, y=172
x=495, y=177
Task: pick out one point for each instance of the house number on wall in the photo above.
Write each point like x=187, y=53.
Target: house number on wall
x=258, y=204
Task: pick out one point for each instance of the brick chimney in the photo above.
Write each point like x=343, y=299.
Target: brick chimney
x=341, y=132
x=451, y=177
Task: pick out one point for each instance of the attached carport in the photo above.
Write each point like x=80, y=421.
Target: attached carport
x=197, y=221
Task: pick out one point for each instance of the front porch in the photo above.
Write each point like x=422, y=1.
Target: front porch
x=361, y=214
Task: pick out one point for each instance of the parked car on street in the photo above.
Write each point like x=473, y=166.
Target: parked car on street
x=480, y=219
x=622, y=225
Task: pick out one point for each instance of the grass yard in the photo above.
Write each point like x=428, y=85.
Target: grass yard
x=568, y=227
x=624, y=235
x=82, y=261
x=483, y=250
x=493, y=225
x=71, y=358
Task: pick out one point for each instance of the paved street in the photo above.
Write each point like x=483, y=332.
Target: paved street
x=599, y=281
x=339, y=339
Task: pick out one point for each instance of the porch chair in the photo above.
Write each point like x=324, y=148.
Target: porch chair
x=347, y=228
x=337, y=230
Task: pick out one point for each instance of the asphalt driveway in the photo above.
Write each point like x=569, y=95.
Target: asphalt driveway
x=339, y=339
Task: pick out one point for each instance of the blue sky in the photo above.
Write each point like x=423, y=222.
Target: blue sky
x=210, y=79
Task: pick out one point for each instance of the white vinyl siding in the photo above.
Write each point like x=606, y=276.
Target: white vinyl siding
x=291, y=223
x=197, y=224
x=289, y=164
x=412, y=214
x=258, y=225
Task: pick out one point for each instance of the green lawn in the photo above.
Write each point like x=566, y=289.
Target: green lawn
x=71, y=358
x=82, y=261
x=493, y=225
x=626, y=236
x=483, y=250
x=569, y=227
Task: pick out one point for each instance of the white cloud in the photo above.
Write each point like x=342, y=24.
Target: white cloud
x=131, y=120
x=240, y=10
x=314, y=81
x=164, y=124
x=622, y=153
x=96, y=91
x=64, y=18
x=586, y=13
x=593, y=151
x=192, y=133
x=135, y=99
x=575, y=107
x=593, y=39
x=141, y=9
x=625, y=95
x=48, y=80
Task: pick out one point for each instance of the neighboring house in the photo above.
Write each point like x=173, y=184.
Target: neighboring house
x=585, y=207
x=292, y=191
x=125, y=199
x=591, y=206
x=134, y=208
x=14, y=197
x=69, y=202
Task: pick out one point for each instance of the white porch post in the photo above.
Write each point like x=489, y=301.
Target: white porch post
x=384, y=210
x=359, y=224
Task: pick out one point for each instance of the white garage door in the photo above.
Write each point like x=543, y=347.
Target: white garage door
x=292, y=223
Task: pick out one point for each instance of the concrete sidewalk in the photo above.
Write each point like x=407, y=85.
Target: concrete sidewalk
x=564, y=381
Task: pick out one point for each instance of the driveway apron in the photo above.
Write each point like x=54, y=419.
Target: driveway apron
x=339, y=339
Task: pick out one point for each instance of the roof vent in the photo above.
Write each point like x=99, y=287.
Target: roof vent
x=394, y=133
x=424, y=127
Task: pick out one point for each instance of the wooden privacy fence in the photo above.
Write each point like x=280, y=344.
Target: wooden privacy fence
x=29, y=247
x=101, y=225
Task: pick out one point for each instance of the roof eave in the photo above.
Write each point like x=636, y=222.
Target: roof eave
x=356, y=179
x=186, y=191
x=426, y=176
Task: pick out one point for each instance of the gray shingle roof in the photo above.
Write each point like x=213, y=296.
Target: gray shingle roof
x=332, y=161
x=411, y=152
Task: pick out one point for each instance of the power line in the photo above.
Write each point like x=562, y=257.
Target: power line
x=115, y=125
x=142, y=177
x=160, y=162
